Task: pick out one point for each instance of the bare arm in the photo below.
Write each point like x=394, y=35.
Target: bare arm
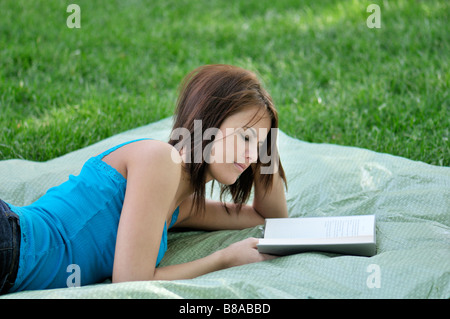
x=144, y=212
x=216, y=216
x=239, y=253
x=148, y=198
x=273, y=203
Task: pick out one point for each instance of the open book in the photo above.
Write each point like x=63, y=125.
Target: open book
x=352, y=235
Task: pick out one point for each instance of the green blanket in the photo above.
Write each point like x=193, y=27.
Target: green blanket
x=411, y=201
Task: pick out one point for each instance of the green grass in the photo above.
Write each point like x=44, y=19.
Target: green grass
x=333, y=79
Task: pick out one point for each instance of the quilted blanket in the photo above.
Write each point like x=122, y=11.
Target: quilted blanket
x=410, y=199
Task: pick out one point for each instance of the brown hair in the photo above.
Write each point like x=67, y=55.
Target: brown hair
x=211, y=93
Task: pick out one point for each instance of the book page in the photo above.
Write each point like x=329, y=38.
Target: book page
x=341, y=228
x=320, y=227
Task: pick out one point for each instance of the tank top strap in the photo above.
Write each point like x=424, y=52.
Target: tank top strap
x=107, y=152
x=174, y=216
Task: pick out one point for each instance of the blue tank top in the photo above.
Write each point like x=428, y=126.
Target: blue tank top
x=74, y=223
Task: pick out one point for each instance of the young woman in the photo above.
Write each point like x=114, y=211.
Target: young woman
x=112, y=219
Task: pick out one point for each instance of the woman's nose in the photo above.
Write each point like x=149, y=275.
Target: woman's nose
x=251, y=153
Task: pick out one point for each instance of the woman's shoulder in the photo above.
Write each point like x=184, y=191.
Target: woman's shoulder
x=158, y=154
x=153, y=171
x=151, y=156
x=156, y=150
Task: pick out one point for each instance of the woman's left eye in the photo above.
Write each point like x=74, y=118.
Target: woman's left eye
x=245, y=137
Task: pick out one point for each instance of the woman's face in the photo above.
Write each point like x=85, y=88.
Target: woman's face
x=236, y=145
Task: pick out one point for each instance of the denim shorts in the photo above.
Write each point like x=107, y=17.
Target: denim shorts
x=9, y=247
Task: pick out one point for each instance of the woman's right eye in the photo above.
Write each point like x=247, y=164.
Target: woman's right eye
x=245, y=137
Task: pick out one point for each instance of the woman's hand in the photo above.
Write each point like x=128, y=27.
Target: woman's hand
x=243, y=252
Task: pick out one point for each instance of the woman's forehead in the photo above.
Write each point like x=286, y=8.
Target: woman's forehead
x=255, y=125
x=249, y=117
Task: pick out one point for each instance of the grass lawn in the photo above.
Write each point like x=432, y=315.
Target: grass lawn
x=333, y=79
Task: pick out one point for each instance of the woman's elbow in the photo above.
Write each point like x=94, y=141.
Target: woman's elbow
x=118, y=277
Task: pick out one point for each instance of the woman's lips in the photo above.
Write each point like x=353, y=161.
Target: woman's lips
x=241, y=167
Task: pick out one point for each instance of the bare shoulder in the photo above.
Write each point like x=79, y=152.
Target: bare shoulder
x=153, y=148
x=153, y=153
x=153, y=173
x=148, y=155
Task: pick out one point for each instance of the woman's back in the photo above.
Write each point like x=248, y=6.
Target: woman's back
x=73, y=223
